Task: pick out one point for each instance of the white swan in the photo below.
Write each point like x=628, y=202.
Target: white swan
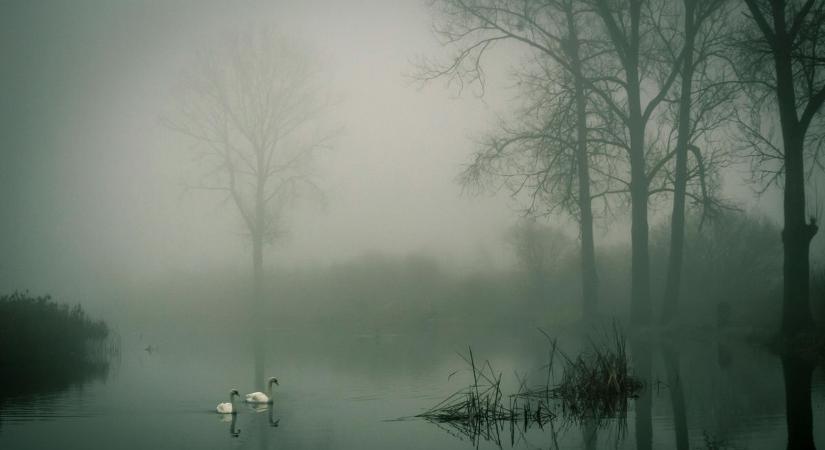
x=260, y=397
x=228, y=408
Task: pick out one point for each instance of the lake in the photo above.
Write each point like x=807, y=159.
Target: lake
x=360, y=390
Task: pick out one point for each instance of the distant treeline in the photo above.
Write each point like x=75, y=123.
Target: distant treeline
x=39, y=332
x=732, y=268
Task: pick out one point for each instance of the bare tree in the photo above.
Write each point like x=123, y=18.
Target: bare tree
x=648, y=57
x=557, y=142
x=785, y=48
x=251, y=106
x=626, y=61
x=537, y=158
x=702, y=91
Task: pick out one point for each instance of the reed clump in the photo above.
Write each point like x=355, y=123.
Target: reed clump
x=481, y=411
x=596, y=384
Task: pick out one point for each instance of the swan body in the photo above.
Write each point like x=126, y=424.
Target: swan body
x=260, y=397
x=228, y=408
x=257, y=397
x=225, y=408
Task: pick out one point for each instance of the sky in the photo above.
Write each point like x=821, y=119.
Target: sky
x=94, y=185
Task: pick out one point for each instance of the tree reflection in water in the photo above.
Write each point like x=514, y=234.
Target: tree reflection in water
x=797, y=373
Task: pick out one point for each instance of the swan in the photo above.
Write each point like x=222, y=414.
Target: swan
x=228, y=408
x=260, y=397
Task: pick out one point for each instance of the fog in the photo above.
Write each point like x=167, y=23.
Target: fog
x=395, y=258
x=98, y=186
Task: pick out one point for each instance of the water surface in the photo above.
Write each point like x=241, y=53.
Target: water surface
x=359, y=391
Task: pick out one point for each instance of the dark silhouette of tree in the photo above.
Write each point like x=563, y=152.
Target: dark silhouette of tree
x=785, y=47
x=546, y=157
x=252, y=106
x=702, y=92
x=610, y=67
x=646, y=54
x=549, y=154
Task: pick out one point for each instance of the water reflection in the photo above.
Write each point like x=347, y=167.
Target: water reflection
x=271, y=416
x=641, y=351
x=670, y=357
x=728, y=390
x=797, y=373
x=34, y=391
x=232, y=419
x=338, y=391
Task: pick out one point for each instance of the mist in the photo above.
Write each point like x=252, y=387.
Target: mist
x=92, y=82
x=453, y=176
x=99, y=186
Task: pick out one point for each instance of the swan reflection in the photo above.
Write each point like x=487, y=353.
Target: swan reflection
x=231, y=419
x=263, y=407
x=272, y=421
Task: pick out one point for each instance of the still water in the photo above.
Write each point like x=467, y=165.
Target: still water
x=359, y=391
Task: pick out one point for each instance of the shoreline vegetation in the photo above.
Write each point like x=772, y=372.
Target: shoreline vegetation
x=39, y=334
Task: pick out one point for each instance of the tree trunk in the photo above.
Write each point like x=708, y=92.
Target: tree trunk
x=796, y=239
x=258, y=235
x=589, y=279
x=670, y=302
x=256, y=310
x=257, y=273
x=640, y=260
x=796, y=234
x=627, y=41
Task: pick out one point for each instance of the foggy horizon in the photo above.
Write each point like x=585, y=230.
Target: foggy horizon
x=84, y=144
x=446, y=224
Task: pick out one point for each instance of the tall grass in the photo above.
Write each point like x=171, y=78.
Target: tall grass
x=595, y=385
x=36, y=331
x=482, y=412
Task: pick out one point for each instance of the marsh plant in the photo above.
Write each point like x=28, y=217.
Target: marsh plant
x=594, y=385
x=597, y=383
x=36, y=331
x=482, y=412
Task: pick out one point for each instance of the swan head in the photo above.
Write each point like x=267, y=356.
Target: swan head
x=233, y=393
x=274, y=381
